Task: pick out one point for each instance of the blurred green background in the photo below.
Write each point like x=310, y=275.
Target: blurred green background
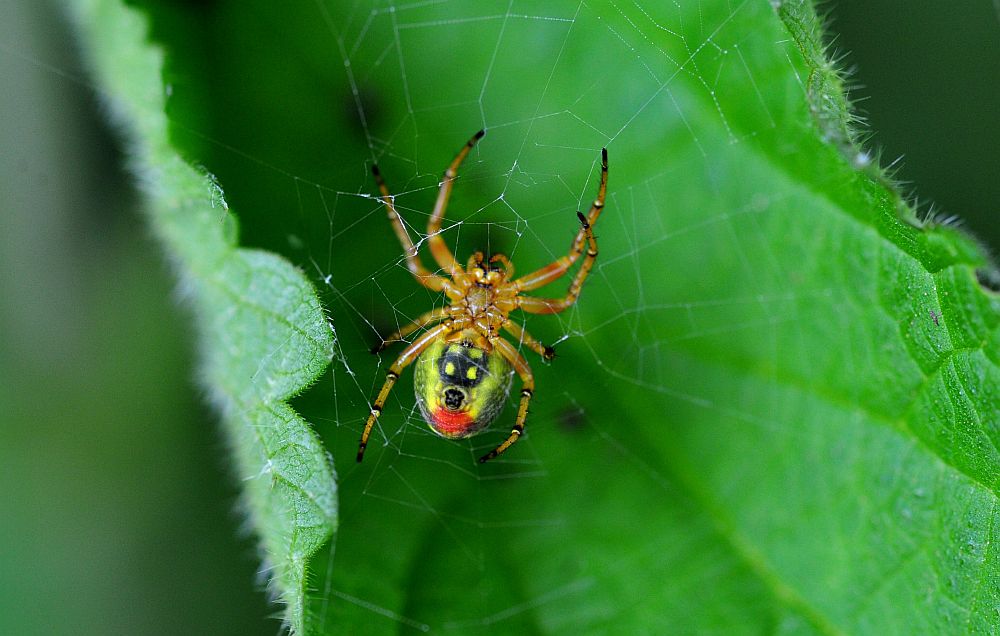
x=925, y=77
x=120, y=513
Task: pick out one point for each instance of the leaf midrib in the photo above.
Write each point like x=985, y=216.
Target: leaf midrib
x=741, y=547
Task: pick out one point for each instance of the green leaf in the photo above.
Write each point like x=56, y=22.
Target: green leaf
x=262, y=334
x=775, y=407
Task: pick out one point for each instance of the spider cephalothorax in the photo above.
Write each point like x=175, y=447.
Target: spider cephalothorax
x=463, y=364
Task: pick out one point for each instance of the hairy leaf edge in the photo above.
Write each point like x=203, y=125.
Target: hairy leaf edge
x=136, y=108
x=833, y=113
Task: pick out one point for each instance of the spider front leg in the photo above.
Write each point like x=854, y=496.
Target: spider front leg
x=559, y=267
x=520, y=365
x=534, y=305
x=445, y=259
x=413, y=262
x=408, y=356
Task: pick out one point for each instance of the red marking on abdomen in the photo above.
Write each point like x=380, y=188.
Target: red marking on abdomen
x=453, y=423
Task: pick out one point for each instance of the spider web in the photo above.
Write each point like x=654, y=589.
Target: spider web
x=673, y=68
x=428, y=538
x=619, y=508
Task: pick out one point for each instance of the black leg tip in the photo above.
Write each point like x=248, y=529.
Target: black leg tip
x=361, y=454
x=549, y=353
x=479, y=135
x=485, y=458
x=377, y=349
x=583, y=219
x=375, y=170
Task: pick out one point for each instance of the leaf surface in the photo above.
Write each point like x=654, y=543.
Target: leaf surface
x=775, y=407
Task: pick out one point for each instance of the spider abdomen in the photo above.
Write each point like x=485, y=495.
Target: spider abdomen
x=460, y=388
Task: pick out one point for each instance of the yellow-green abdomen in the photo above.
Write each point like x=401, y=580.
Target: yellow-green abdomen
x=460, y=388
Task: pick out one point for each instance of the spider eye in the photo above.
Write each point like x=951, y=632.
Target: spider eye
x=453, y=399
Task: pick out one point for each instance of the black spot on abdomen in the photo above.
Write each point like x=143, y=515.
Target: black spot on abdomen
x=459, y=366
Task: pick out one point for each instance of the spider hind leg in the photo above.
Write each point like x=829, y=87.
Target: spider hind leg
x=520, y=365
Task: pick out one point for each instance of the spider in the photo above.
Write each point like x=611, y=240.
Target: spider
x=463, y=365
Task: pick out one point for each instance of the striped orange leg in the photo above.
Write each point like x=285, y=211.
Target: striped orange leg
x=520, y=365
x=428, y=318
x=528, y=340
x=559, y=267
x=413, y=262
x=408, y=356
x=445, y=259
x=534, y=305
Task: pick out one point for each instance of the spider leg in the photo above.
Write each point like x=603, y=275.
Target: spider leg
x=427, y=318
x=559, y=267
x=405, y=358
x=413, y=262
x=528, y=340
x=533, y=305
x=520, y=365
x=445, y=259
